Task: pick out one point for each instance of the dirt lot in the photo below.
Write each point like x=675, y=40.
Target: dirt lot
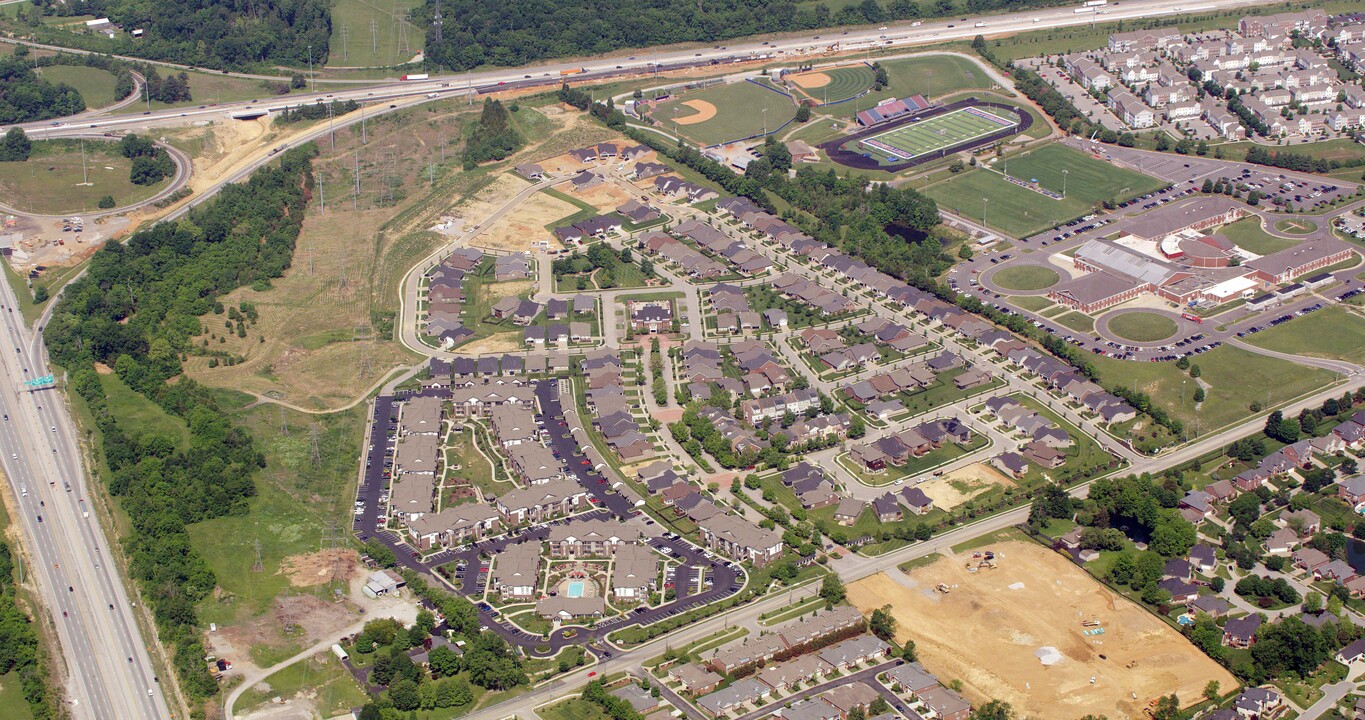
x=320, y=567
x=987, y=630
x=605, y=197
x=962, y=485
x=517, y=229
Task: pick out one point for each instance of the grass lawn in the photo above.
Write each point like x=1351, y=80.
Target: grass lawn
x=1036, y=303
x=13, y=706
x=1018, y=211
x=1026, y=278
x=324, y=679
x=95, y=85
x=54, y=277
x=932, y=76
x=208, y=88
x=353, y=45
x=1077, y=321
x=1237, y=378
x=139, y=416
x=941, y=392
x=572, y=709
x=1142, y=326
x=844, y=82
x=50, y=181
x=474, y=466
x=1248, y=235
x=1328, y=333
x=1296, y=226
x=739, y=112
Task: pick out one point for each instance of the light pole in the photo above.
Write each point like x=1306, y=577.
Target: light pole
x=984, y=202
x=312, y=82
x=1065, y=172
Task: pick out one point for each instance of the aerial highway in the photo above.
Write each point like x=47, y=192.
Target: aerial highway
x=803, y=47
x=111, y=674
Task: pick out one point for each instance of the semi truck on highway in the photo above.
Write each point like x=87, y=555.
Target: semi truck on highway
x=85, y=512
x=415, y=76
x=573, y=71
x=1096, y=3
x=1080, y=10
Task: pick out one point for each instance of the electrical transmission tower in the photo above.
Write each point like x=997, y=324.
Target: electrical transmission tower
x=314, y=445
x=259, y=566
x=345, y=38
x=436, y=21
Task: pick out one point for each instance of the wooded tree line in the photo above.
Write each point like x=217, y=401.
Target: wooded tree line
x=210, y=33
x=24, y=96
x=316, y=111
x=137, y=310
x=516, y=32
x=19, y=649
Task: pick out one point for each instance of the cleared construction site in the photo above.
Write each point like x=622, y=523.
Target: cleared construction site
x=1018, y=622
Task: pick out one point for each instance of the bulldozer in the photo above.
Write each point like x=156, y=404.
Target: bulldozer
x=943, y=588
x=986, y=563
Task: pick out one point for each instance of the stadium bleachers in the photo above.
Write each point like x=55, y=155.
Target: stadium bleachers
x=892, y=109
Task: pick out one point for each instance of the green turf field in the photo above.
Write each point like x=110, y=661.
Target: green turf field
x=844, y=83
x=1018, y=211
x=353, y=44
x=739, y=112
x=932, y=76
x=939, y=132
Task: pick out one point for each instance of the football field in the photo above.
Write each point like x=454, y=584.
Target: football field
x=940, y=132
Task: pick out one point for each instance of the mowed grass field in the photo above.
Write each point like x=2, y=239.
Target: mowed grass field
x=358, y=47
x=1142, y=326
x=49, y=182
x=844, y=83
x=1026, y=278
x=939, y=132
x=1236, y=378
x=932, y=76
x=95, y=85
x=1248, y=235
x=1018, y=211
x=739, y=112
x=1331, y=332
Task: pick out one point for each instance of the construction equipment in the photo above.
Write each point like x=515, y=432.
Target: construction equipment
x=1090, y=623
x=986, y=563
x=943, y=588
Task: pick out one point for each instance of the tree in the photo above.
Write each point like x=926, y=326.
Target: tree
x=879, y=706
x=803, y=113
x=1195, y=371
x=965, y=252
x=16, y=147
x=1211, y=690
x=1199, y=395
x=1168, y=708
x=832, y=589
x=40, y=294
x=403, y=694
x=994, y=710
x=105, y=202
x=882, y=623
x=443, y=661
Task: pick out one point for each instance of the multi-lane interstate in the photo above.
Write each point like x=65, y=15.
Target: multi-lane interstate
x=110, y=672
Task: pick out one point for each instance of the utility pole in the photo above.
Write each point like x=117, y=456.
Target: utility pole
x=355, y=204
x=363, y=139
x=85, y=173
x=322, y=194
x=330, y=129
x=313, y=85
x=345, y=35
x=1065, y=172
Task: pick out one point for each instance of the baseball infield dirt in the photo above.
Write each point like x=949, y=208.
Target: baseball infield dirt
x=989, y=628
x=811, y=80
x=705, y=111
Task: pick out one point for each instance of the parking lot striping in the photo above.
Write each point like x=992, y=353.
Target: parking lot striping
x=939, y=132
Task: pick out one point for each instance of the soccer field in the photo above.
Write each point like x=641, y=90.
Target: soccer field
x=940, y=132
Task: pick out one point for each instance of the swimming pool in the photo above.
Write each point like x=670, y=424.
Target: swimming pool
x=575, y=589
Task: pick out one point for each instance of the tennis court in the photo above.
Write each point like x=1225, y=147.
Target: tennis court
x=940, y=132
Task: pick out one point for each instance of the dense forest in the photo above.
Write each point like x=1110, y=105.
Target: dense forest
x=24, y=96
x=516, y=32
x=211, y=33
x=137, y=310
x=19, y=649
